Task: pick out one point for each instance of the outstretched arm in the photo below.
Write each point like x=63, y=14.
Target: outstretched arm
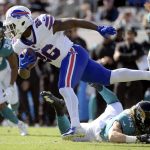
x=68, y=23
x=116, y=135
x=13, y=62
x=65, y=24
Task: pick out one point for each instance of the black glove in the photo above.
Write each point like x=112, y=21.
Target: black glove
x=145, y=138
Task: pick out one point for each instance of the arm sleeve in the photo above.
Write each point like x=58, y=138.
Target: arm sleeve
x=47, y=21
x=7, y=49
x=18, y=46
x=8, y=52
x=126, y=123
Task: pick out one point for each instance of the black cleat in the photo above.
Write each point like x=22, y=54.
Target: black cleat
x=54, y=101
x=97, y=86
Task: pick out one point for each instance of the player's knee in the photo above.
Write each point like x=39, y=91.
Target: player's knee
x=66, y=91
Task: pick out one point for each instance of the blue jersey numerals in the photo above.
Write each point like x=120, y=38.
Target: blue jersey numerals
x=49, y=53
x=37, y=22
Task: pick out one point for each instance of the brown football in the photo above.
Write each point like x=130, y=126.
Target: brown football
x=24, y=73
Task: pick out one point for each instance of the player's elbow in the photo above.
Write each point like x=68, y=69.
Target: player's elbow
x=113, y=137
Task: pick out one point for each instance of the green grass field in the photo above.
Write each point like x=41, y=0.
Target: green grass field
x=49, y=139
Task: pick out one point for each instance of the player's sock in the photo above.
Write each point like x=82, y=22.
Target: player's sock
x=15, y=107
x=127, y=75
x=63, y=123
x=7, y=113
x=71, y=101
x=108, y=95
x=92, y=108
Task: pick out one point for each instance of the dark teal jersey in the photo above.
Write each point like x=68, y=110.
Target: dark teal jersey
x=126, y=121
x=5, y=51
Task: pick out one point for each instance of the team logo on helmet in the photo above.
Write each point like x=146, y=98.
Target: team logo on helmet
x=19, y=13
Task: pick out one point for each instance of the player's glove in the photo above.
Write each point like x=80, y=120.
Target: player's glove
x=145, y=138
x=26, y=59
x=106, y=31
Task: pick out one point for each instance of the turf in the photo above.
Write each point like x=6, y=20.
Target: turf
x=49, y=139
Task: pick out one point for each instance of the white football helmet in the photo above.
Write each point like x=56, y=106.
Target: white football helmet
x=18, y=19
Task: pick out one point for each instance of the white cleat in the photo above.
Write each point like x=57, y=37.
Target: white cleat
x=22, y=128
x=74, y=132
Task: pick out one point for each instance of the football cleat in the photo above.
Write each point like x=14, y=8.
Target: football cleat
x=22, y=128
x=97, y=86
x=72, y=133
x=49, y=97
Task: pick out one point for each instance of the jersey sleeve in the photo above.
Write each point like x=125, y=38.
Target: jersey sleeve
x=18, y=46
x=47, y=21
x=125, y=121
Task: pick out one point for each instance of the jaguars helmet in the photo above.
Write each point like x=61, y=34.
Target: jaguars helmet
x=18, y=19
x=1, y=31
x=142, y=116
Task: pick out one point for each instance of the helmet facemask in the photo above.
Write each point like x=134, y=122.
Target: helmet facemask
x=1, y=33
x=142, y=116
x=10, y=31
x=18, y=19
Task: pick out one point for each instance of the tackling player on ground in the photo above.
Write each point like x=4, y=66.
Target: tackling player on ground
x=114, y=125
x=8, y=75
x=44, y=37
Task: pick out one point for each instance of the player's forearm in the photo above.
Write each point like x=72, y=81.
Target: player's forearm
x=13, y=62
x=65, y=24
x=118, y=137
x=14, y=73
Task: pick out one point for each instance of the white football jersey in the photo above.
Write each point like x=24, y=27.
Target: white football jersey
x=48, y=46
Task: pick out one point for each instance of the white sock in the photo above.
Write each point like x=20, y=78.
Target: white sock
x=127, y=75
x=71, y=101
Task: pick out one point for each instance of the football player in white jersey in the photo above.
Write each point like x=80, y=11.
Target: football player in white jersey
x=44, y=37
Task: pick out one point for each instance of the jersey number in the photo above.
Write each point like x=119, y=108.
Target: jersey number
x=50, y=53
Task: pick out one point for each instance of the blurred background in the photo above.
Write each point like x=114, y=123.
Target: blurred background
x=128, y=48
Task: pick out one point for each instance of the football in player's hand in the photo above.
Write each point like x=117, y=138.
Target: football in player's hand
x=24, y=73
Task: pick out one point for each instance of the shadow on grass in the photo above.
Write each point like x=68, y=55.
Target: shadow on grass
x=40, y=135
x=120, y=145
x=30, y=135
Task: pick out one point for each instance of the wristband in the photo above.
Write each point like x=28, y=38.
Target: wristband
x=131, y=139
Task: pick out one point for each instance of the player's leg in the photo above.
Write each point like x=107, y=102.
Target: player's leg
x=108, y=96
x=7, y=113
x=11, y=113
x=62, y=120
x=59, y=106
x=126, y=75
x=96, y=73
x=113, y=108
x=14, y=100
x=71, y=70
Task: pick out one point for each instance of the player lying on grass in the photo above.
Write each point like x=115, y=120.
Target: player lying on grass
x=8, y=76
x=114, y=125
x=45, y=36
